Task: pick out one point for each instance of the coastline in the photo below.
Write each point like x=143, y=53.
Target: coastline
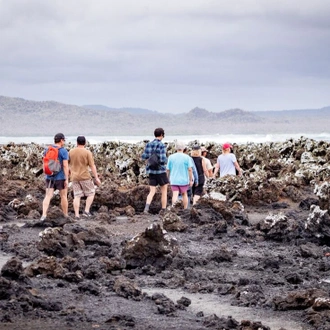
x=214, y=138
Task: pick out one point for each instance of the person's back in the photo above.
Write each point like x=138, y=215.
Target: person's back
x=178, y=164
x=179, y=171
x=156, y=176
x=80, y=161
x=58, y=181
x=226, y=162
x=199, y=166
x=158, y=147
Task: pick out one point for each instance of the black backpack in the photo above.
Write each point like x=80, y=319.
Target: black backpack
x=153, y=161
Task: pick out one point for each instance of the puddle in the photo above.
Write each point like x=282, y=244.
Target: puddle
x=5, y=257
x=212, y=304
x=17, y=223
x=122, y=218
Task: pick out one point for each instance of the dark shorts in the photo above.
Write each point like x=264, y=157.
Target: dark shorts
x=158, y=179
x=180, y=189
x=198, y=190
x=55, y=184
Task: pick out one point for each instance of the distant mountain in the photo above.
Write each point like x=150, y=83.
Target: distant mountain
x=294, y=113
x=232, y=115
x=20, y=117
x=134, y=111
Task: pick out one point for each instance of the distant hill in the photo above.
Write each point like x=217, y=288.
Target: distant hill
x=134, y=111
x=20, y=117
x=294, y=113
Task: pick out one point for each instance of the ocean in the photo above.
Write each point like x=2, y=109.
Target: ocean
x=217, y=138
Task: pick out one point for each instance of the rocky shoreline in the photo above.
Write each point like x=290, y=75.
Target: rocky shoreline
x=253, y=254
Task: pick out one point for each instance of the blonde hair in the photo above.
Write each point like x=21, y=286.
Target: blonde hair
x=196, y=153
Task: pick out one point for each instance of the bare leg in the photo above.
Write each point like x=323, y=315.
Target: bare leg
x=196, y=198
x=175, y=195
x=89, y=201
x=46, y=201
x=163, y=190
x=151, y=194
x=185, y=200
x=76, y=205
x=64, y=201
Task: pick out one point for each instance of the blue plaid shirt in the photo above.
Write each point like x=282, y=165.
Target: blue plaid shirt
x=159, y=147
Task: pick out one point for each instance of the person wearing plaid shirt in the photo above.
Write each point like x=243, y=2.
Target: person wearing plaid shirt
x=159, y=176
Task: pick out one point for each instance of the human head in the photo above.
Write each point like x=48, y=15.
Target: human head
x=204, y=151
x=81, y=140
x=226, y=146
x=186, y=150
x=196, y=151
x=159, y=132
x=59, y=137
x=179, y=145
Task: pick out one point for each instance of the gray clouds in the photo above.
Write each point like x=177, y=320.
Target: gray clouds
x=167, y=55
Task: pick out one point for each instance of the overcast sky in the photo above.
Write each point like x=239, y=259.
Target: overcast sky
x=167, y=55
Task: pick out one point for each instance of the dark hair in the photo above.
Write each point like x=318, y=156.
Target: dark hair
x=81, y=140
x=159, y=132
x=58, y=137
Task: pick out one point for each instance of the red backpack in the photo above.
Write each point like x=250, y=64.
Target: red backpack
x=51, y=162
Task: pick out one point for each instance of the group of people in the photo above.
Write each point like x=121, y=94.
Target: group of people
x=185, y=173
x=75, y=165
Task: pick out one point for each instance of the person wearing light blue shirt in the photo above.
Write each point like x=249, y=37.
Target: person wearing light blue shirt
x=179, y=171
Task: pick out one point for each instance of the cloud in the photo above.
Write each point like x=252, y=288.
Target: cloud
x=142, y=53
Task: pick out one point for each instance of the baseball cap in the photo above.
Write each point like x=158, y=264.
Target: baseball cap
x=58, y=137
x=226, y=145
x=196, y=147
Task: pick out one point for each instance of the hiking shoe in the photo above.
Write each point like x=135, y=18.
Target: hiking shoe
x=42, y=218
x=145, y=212
x=86, y=214
x=162, y=212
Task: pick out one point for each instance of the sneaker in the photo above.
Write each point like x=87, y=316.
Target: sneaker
x=42, y=218
x=145, y=212
x=86, y=214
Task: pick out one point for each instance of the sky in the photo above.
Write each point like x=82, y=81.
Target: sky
x=165, y=55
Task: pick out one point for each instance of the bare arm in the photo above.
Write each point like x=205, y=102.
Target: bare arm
x=238, y=168
x=191, y=178
x=66, y=172
x=216, y=169
x=206, y=172
x=98, y=181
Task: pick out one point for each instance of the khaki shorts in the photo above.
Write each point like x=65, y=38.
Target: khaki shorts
x=83, y=188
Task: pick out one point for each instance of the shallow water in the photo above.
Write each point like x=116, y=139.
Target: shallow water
x=211, y=304
x=4, y=257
